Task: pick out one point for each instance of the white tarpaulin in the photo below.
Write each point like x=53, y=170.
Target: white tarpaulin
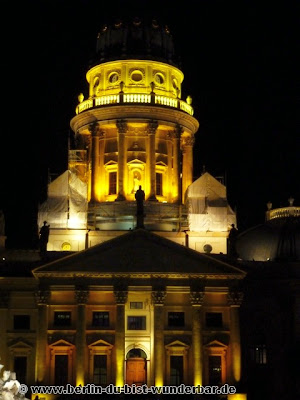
x=66, y=205
x=208, y=209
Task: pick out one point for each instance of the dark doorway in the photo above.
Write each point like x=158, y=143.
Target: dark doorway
x=176, y=370
x=215, y=370
x=61, y=370
x=20, y=368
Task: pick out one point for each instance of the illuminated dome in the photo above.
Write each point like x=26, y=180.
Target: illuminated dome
x=278, y=239
x=135, y=38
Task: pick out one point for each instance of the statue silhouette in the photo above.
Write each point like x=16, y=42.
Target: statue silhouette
x=44, y=236
x=140, y=197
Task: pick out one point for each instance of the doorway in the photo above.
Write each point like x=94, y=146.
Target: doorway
x=136, y=367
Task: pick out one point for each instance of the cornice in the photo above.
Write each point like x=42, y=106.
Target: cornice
x=140, y=111
x=142, y=276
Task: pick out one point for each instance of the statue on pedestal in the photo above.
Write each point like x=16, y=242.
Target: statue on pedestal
x=140, y=197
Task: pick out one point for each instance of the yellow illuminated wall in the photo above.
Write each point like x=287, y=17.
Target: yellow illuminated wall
x=137, y=76
x=131, y=131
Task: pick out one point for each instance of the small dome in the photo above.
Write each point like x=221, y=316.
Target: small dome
x=278, y=239
x=135, y=38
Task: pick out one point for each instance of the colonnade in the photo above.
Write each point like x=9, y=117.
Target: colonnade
x=182, y=168
x=158, y=300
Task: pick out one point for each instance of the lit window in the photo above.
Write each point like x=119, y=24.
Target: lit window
x=213, y=320
x=112, y=183
x=176, y=319
x=258, y=354
x=101, y=318
x=62, y=318
x=136, y=304
x=136, y=323
x=100, y=370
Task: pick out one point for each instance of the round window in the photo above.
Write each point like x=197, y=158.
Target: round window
x=207, y=248
x=159, y=78
x=137, y=76
x=96, y=81
x=113, y=78
x=66, y=246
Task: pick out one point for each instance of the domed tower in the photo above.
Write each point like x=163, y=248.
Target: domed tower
x=277, y=239
x=134, y=129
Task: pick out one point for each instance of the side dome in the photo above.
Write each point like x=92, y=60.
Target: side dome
x=135, y=38
x=278, y=239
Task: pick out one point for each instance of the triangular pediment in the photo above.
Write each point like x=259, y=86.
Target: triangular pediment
x=136, y=161
x=111, y=162
x=215, y=343
x=20, y=344
x=138, y=252
x=176, y=344
x=61, y=343
x=161, y=163
x=100, y=343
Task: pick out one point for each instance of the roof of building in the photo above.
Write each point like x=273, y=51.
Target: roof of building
x=138, y=252
x=275, y=240
x=135, y=38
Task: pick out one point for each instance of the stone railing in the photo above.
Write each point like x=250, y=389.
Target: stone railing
x=283, y=212
x=134, y=98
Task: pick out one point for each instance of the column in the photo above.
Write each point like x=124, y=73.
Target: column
x=102, y=187
x=170, y=189
x=234, y=301
x=158, y=298
x=81, y=297
x=176, y=164
x=121, y=299
x=187, y=164
x=41, y=366
x=196, y=298
x=122, y=129
x=152, y=127
x=4, y=303
x=94, y=129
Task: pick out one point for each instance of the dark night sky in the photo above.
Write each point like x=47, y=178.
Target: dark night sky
x=240, y=64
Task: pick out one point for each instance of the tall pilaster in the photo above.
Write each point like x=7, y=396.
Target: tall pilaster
x=158, y=298
x=152, y=127
x=101, y=189
x=81, y=297
x=94, y=129
x=4, y=304
x=187, y=163
x=122, y=129
x=235, y=298
x=196, y=298
x=41, y=367
x=176, y=164
x=121, y=299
